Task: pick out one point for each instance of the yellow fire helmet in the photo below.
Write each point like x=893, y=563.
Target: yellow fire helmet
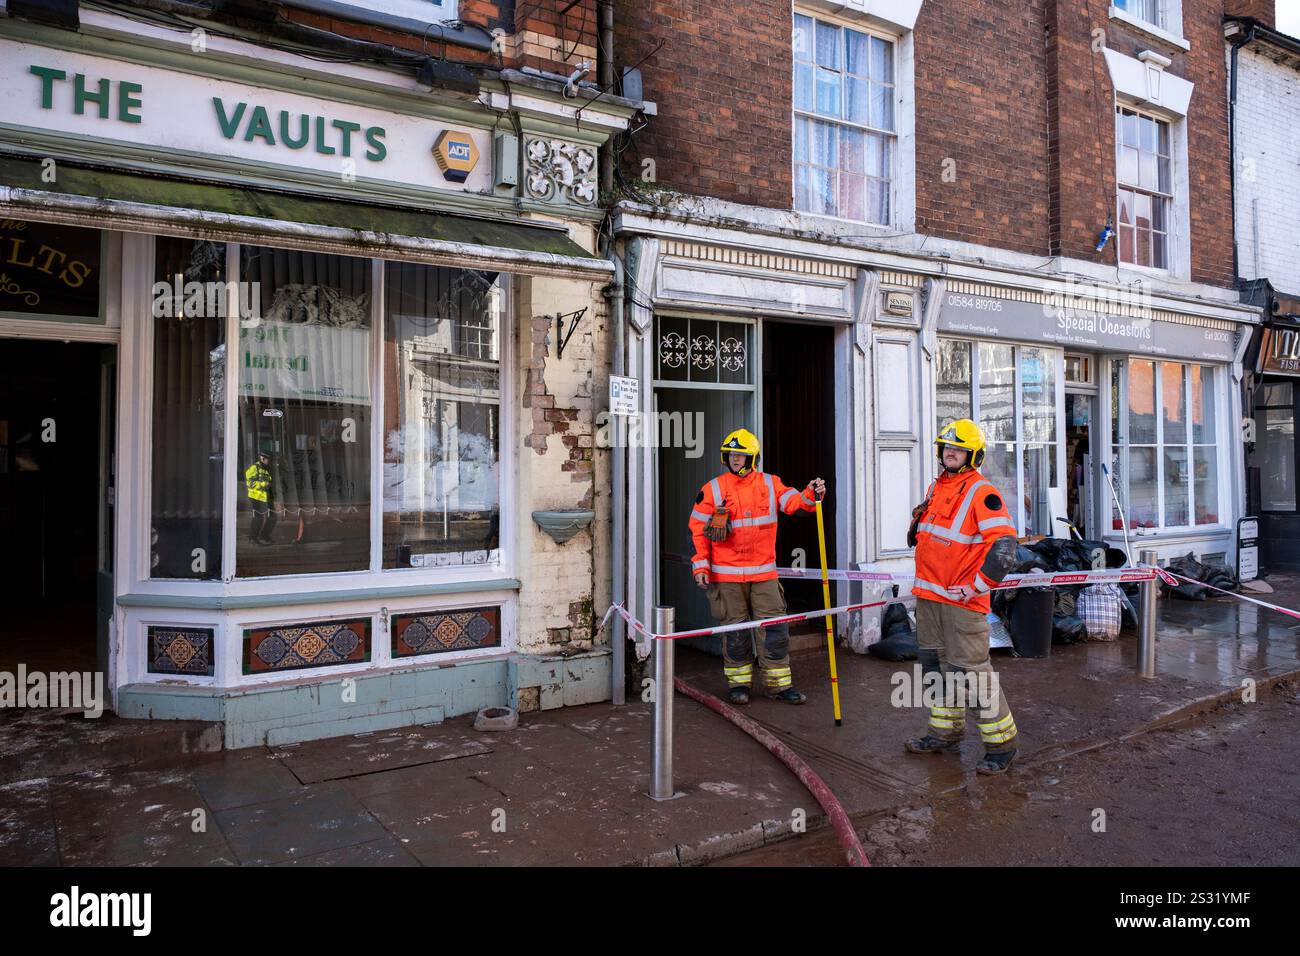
x=742, y=441
x=962, y=433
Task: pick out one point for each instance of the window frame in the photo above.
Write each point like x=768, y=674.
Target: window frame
x=375, y=573
x=1119, y=449
x=1055, y=355
x=1169, y=200
x=1168, y=25
x=408, y=9
x=894, y=137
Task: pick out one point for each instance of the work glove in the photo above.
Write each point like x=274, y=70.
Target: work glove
x=818, y=488
x=719, y=526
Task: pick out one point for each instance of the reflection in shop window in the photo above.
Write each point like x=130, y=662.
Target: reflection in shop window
x=1275, y=414
x=1166, y=459
x=304, y=414
x=189, y=404
x=1014, y=400
x=442, y=415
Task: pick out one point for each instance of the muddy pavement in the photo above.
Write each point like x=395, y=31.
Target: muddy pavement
x=1219, y=790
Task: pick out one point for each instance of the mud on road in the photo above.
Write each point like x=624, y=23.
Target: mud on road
x=1219, y=790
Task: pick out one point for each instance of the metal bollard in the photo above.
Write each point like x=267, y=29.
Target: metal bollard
x=661, y=776
x=1149, y=594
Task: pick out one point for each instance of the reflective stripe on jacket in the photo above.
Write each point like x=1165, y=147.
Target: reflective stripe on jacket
x=258, y=480
x=753, y=502
x=964, y=516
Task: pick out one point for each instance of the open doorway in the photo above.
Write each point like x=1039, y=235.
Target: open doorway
x=53, y=440
x=1080, y=414
x=799, y=442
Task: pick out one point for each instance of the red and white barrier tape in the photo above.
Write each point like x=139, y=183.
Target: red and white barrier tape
x=640, y=628
x=1169, y=578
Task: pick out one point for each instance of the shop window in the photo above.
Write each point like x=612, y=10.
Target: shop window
x=442, y=415
x=1163, y=444
x=845, y=129
x=189, y=402
x=303, y=466
x=1144, y=168
x=50, y=273
x=1275, y=452
x=1012, y=392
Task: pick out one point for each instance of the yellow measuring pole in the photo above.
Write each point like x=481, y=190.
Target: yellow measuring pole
x=830, y=631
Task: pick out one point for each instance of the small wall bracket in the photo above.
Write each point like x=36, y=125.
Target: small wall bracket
x=561, y=335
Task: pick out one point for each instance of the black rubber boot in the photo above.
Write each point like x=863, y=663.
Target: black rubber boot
x=996, y=763
x=790, y=696
x=929, y=744
x=738, y=696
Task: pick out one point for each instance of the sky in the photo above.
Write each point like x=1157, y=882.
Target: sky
x=1288, y=17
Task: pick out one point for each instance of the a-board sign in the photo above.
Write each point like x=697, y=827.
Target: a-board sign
x=1247, y=549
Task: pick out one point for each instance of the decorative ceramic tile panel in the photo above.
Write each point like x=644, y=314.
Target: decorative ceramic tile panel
x=296, y=646
x=436, y=632
x=182, y=650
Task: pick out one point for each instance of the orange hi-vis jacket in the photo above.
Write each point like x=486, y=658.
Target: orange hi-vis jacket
x=964, y=515
x=752, y=502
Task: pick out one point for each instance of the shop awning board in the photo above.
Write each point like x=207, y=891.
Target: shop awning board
x=136, y=202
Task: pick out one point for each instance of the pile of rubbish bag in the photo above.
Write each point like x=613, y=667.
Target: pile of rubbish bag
x=1214, y=573
x=898, y=640
x=1058, y=554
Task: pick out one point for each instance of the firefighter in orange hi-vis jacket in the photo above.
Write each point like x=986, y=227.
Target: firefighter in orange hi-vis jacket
x=965, y=544
x=733, y=525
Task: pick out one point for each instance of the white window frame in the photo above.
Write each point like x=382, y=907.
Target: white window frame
x=1179, y=247
x=1052, y=354
x=137, y=570
x=1168, y=25
x=1215, y=380
x=902, y=180
x=425, y=11
x=1169, y=200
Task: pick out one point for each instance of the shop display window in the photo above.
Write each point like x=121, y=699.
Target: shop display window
x=189, y=405
x=1164, y=453
x=1011, y=391
x=442, y=415
x=304, y=409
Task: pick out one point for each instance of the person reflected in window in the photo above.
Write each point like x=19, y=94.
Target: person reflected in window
x=261, y=494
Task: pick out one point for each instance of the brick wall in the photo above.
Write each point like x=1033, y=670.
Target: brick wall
x=1268, y=178
x=723, y=82
x=1015, y=127
x=1085, y=190
x=1265, y=11
x=533, y=33
x=982, y=123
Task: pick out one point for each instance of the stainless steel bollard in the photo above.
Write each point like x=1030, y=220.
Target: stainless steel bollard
x=661, y=777
x=1149, y=594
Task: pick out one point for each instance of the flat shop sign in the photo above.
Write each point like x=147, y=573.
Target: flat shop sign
x=1281, y=352
x=1247, y=549
x=185, y=117
x=985, y=317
